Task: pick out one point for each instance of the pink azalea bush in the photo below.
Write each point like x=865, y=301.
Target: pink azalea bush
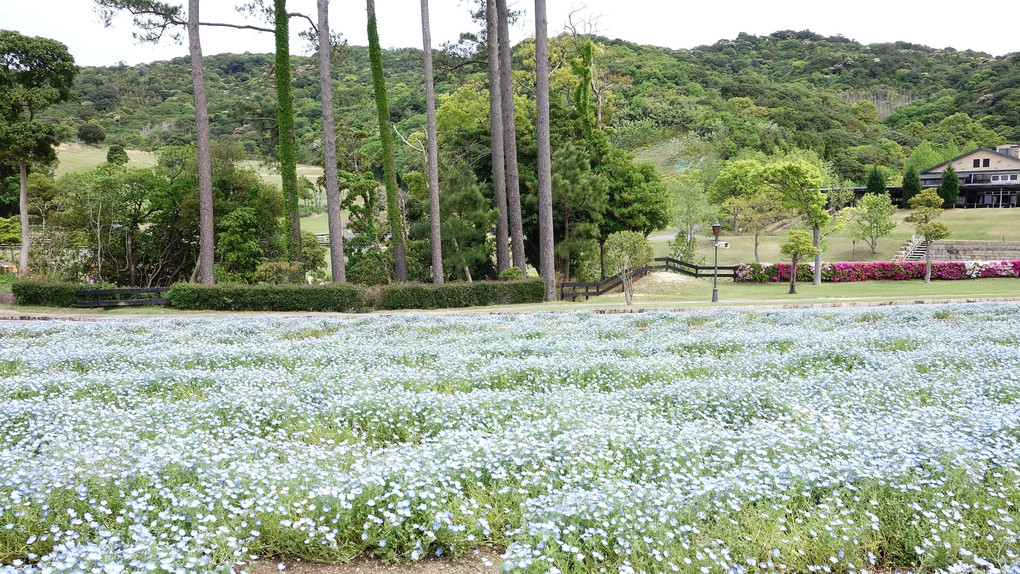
x=843, y=272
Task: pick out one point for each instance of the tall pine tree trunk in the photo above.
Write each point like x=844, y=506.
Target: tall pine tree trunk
x=206, y=250
x=513, y=185
x=496, y=139
x=386, y=138
x=285, y=123
x=26, y=235
x=545, y=219
x=433, y=149
x=333, y=219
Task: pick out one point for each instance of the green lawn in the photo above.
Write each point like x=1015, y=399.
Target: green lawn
x=76, y=157
x=966, y=225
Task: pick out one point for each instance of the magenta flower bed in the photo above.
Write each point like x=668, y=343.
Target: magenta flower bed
x=843, y=272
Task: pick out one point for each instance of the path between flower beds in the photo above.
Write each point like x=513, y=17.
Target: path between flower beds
x=485, y=561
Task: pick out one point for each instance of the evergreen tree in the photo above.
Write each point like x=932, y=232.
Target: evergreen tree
x=949, y=188
x=911, y=184
x=876, y=181
x=35, y=73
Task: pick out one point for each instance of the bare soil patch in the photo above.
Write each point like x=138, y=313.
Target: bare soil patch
x=470, y=564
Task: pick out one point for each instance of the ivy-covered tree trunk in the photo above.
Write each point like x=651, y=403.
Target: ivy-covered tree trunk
x=206, y=238
x=26, y=236
x=333, y=218
x=545, y=219
x=386, y=138
x=513, y=184
x=435, y=236
x=285, y=124
x=496, y=139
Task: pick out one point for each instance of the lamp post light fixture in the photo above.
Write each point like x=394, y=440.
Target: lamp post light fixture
x=716, y=228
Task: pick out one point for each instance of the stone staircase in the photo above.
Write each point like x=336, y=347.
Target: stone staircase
x=914, y=250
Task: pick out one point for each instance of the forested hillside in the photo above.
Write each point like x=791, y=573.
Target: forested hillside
x=785, y=90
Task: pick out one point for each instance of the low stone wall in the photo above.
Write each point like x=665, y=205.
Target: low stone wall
x=8, y=298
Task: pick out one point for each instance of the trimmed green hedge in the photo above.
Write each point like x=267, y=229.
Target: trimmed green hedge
x=46, y=293
x=240, y=297
x=450, y=295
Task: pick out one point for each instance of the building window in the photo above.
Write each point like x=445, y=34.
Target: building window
x=995, y=178
x=984, y=163
x=1012, y=177
x=977, y=163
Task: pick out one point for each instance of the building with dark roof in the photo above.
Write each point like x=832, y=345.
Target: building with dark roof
x=988, y=177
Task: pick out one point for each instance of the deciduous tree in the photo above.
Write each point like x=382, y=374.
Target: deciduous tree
x=873, y=219
x=798, y=183
x=927, y=207
x=797, y=247
x=626, y=252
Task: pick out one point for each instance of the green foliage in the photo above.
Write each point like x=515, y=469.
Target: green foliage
x=35, y=74
x=237, y=245
x=911, y=184
x=927, y=207
x=278, y=272
x=924, y=157
x=10, y=230
x=797, y=246
x=873, y=219
x=240, y=297
x=691, y=212
x=286, y=135
x=388, y=158
x=116, y=154
x=511, y=274
x=462, y=294
x=876, y=181
x=313, y=255
x=45, y=293
x=91, y=133
x=949, y=188
x=627, y=251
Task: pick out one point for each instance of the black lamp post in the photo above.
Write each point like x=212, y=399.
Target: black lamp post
x=715, y=275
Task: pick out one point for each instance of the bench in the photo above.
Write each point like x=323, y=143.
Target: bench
x=95, y=297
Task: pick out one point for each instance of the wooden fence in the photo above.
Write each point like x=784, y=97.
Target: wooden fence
x=574, y=290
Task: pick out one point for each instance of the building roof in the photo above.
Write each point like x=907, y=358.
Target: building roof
x=971, y=152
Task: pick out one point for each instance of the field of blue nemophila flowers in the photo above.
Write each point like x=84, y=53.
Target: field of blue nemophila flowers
x=871, y=440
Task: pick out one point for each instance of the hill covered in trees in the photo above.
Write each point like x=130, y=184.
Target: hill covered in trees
x=847, y=101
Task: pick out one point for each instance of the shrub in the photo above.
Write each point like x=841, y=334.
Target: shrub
x=511, y=274
x=46, y=293
x=460, y=294
x=241, y=297
x=279, y=272
x=844, y=272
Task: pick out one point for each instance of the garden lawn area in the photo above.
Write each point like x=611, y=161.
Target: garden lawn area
x=966, y=225
x=76, y=157
x=711, y=441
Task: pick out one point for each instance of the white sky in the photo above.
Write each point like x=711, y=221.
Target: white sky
x=671, y=23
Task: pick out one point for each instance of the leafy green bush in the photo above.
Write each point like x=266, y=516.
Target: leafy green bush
x=241, y=297
x=511, y=274
x=46, y=293
x=279, y=272
x=451, y=295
